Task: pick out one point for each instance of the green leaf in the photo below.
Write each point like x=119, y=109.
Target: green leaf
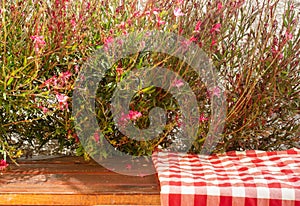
x=25, y=61
x=285, y=23
x=10, y=81
x=74, y=47
x=150, y=89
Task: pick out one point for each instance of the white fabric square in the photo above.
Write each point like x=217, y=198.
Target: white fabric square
x=213, y=191
x=165, y=189
x=238, y=192
x=288, y=194
x=263, y=192
x=188, y=190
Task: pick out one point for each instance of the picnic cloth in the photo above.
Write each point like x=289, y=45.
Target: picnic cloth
x=249, y=178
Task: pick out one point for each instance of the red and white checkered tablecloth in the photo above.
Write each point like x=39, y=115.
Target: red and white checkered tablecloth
x=251, y=178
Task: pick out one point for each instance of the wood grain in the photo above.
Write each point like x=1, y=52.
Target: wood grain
x=73, y=181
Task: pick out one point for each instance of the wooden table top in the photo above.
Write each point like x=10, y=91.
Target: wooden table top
x=73, y=181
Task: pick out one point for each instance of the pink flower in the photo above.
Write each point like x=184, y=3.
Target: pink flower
x=88, y=5
x=275, y=41
x=133, y=115
x=44, y=109
x=120, y=41
x=136, y=14
x=236, y=4
x=38, y=39
x=193, y=39
x=216, y=28
x=184, y=47
x=178, y=83
x=180, y=31
x=59, y=81
x=178, y=120
x=198, y=25
x=72, y=135
x=123, y=118
x=288, y=36
x=39, y=42
x=3, y=164
x=202, y=118
x=107, y=42
x=280, y=55
x=275, y=53
x=75, y=136
x=142, y=45
x=62, y=100
x=96, y=136
x=64, y=76
x=119, y=71
x=122, y=25
x=73, y=22
x=178, y=12
x=159, y=21
x=219, y=6
x=128, y=166
x=216, y=91
x=213, y=42
x=155, y=11
x=200, y=44
x=50, y=82
x=76, y=68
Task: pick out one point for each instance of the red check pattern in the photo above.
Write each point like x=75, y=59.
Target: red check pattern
x=251, y=178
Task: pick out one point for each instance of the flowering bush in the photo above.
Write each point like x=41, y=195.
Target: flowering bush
x=44, y=44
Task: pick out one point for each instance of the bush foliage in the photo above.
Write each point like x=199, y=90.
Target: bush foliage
x=45, y=43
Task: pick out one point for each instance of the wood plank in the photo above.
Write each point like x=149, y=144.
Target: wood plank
x=91, y=199
x=76, y=179
x=73, y=181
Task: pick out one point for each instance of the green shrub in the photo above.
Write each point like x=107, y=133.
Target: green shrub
x=44, y=44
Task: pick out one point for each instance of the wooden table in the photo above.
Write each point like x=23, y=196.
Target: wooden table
x=73, y=181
